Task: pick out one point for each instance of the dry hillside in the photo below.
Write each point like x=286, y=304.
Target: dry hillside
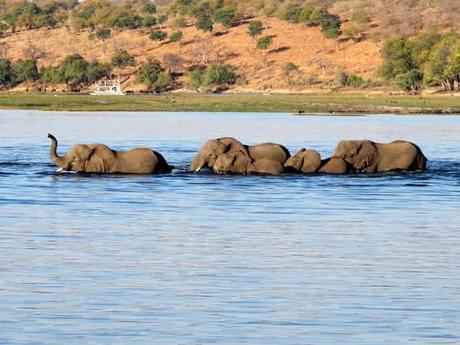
x=318, y=58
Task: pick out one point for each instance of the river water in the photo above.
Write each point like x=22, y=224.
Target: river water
x=201, y=259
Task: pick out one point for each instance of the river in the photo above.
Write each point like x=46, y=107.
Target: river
x=202, y=259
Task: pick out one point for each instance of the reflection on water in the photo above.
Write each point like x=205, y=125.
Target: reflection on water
x=199, y=259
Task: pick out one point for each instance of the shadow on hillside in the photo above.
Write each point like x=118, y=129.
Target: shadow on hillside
x=278, y=50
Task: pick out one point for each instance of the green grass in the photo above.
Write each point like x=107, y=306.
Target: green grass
x=309, y=104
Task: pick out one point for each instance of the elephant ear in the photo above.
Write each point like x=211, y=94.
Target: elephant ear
x=85, y=155
x=367, y=156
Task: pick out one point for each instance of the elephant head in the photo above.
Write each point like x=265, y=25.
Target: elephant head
x=212, y=149
x=236, y=162
x=306, y=161
x=76, y=159
x=83, y=158
x=362, y=155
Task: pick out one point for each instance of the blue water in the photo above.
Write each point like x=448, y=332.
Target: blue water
x=203, y=259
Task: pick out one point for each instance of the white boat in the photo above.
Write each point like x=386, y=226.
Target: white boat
x=108, y=88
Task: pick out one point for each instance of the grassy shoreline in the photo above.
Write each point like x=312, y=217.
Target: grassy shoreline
x=332, y=103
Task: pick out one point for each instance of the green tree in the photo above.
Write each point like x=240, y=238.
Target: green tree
x=103, y=33
x=149, y=72
x=7, y=75
x=96, y=71
x=442, y=57
x=264, y=43
x=150, y=8
x=26, y=70
x=203, y=14
x=410, y=81
x=397, y=55
x=123, y=59
x=73, y=69
x=225, y=16
x=158, y=35
x=195, y=78
x=255, y=28
x=220, y=75
x=52, y=76
x=149, y=21
x=161, y=19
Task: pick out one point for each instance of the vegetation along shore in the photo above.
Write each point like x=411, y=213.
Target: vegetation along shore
x=332, y=103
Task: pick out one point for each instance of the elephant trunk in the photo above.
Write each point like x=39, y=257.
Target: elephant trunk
x=53, y=152
x=197, y=164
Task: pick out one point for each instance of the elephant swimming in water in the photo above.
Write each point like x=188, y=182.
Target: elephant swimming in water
x=211, y=150
x=370, y=157
x=239, y=162
x=99, y=158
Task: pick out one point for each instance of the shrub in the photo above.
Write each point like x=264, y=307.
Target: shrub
x=129, y=21
x=122, y=59
x=289, y=68
x=176, y=36
x=291, y=12
x=255, y=28
x=149, y=21
x=179, y=22
x=264, y=42
x=195, y=78
x=150, y=8
x=103, y=33
x=158, y=35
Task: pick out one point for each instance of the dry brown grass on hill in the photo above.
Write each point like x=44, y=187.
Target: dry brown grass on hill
x=318, y=58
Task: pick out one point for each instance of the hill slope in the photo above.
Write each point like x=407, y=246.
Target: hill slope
x=318, y=58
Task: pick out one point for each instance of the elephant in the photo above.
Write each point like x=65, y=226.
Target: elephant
x=99, y=158
x=208, y=154
x=370, y=157
x=335, y=165
x=305, y=161
x=239, y=162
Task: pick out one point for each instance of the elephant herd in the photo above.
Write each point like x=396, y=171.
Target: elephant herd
x=229, y=156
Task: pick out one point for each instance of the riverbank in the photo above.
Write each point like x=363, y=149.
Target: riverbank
x=333, y=103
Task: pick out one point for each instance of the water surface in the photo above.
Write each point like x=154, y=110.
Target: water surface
x=200, y=259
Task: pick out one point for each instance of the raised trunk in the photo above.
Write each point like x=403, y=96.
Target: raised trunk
x=53, y=152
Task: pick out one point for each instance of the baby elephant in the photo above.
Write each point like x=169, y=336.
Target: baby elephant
x=99, y=158
x=304, y=161
x=240, y=163
x=309, y=162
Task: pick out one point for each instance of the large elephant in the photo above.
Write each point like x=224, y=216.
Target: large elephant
x=239, y=162
x=208, y=154
x=304, y=161
x=368, y=156
x=99, y=158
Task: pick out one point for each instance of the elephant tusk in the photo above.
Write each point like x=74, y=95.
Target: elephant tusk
x=60, y=170
x=198, y=170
